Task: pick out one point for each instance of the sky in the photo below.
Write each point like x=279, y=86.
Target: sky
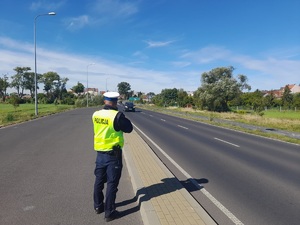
x=153, y=44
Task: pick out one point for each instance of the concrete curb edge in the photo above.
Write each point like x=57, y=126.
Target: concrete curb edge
x=148, y=213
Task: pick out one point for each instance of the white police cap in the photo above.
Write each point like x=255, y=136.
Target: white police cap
x=111, y=96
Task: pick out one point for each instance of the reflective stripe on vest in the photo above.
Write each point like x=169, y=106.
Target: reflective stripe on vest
x=105, y=136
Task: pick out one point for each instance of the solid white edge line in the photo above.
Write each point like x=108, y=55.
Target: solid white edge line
x=226, y=142
x=202, y=189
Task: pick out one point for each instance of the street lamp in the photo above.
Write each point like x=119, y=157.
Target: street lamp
x=35, y=74
x=87, y=83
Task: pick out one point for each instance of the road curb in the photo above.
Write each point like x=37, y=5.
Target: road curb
x=147, y=211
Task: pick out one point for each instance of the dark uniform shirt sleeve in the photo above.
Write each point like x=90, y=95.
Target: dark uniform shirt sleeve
x=122, y=123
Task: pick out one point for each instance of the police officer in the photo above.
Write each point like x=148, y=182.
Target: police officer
x=109, y=125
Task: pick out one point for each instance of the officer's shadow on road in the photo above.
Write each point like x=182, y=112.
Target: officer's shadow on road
x=168, y=185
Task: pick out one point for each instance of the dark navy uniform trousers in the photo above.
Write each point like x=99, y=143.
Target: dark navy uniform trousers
x=108, y=170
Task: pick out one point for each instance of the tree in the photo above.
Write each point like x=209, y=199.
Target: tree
x=296, y=100
x=219, y=87
x=158, y=100
x=54, y=85
x=79, y=88
x=182, y=98
x=29, y=82
x=150, y=95
x=49, y=79
x=169, y=96
x=287, y=97
x=251, y=99
x=189, y=101
x=139, y=94
x=4, y=84
x=269, y=100
x=18, y=80
x=257, y=101
x=60, y=88
x=124, y=89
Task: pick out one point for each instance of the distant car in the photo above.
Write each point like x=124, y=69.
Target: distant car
x=129, y=106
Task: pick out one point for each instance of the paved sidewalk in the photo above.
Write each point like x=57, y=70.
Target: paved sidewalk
x=162, y=199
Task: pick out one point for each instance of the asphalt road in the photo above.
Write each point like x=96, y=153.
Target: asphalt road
x=46, y=173
x=252, y=180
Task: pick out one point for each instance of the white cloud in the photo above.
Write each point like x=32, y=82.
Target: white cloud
x=75, y=68
x=207, y=54
x=102, y=12
x=277, y=69
x=8, y=43
x=77, y=23
x=156, y=44
x=140, y=55
x=44, y=4
x=115, y=8
x=181, y=64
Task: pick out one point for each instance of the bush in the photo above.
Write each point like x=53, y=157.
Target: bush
x=96, y=100
x=242, y=112
x=68, y=101
x=15, y=101
x=80, y=103
x=261, y=113
x=9, y=117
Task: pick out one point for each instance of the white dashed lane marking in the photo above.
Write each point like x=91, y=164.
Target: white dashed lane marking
x=227, y=142
x=183, y=127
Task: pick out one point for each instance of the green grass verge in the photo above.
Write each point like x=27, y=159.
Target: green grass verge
x=24, y=112
x=282, y=114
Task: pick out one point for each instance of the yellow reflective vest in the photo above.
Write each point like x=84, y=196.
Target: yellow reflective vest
x=105, y=136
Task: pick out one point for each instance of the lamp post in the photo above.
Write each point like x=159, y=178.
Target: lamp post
x=35, y=73
x=87, y=83
x=106, y=84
